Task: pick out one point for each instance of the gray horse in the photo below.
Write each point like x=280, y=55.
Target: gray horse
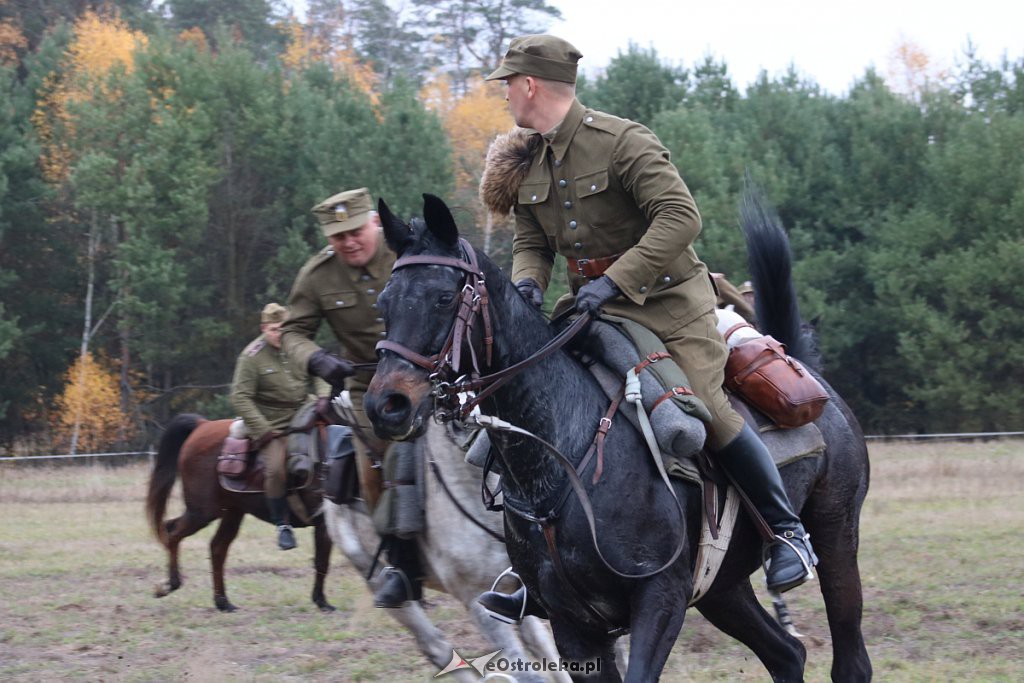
x=460, y=557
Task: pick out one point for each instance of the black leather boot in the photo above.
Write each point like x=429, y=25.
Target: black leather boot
x=789, y=558
x=403, y=578
x=279, y=516
x=510, y=607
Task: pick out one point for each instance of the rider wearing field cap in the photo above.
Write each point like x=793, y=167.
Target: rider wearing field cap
x=340, y=286
x=601, y=193
x=267, y=390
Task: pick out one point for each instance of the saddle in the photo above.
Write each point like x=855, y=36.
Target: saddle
x=240, y=471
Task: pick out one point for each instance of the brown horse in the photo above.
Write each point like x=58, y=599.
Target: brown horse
x=189, y=447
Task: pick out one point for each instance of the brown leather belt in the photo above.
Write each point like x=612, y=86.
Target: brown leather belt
x=591, y=267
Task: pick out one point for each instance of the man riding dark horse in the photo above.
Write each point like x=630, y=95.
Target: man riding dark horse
x=601, y=192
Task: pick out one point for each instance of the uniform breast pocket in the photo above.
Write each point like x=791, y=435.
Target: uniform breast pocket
x=338, y=301
x=599, y=204
x=532, y=192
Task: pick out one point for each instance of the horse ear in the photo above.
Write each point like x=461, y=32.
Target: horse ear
x=397, y=234
x=439, y=220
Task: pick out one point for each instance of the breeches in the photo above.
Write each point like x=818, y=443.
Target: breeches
x=275, y=455
x=699, y=350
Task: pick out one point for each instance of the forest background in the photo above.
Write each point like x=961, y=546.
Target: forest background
x=158, y=162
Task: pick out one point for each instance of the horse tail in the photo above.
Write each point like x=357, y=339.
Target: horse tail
x=165, y=469
x=770, y=262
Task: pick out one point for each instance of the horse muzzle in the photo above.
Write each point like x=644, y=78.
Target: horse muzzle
x=397, y=405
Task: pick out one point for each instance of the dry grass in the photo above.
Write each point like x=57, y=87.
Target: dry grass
x=942, y=561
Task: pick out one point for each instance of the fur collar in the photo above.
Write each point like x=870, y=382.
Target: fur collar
x=507, y=163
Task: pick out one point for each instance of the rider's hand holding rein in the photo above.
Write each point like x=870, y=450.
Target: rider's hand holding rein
x=531, y=291
x=595, y=294
x=330, y=368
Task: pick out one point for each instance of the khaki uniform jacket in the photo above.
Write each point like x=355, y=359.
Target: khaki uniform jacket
x=605, y=186
x=268, y=388
x=326, y=289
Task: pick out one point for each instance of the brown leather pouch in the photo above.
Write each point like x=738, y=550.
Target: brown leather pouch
x=234, y=457
x=776, y=384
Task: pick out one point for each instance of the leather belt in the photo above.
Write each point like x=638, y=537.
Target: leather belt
x=591, y=267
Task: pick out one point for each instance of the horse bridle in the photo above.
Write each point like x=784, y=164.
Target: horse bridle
x=457, y=393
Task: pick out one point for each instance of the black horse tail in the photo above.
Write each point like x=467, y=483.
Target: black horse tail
x=165, y=469
x=770, y=262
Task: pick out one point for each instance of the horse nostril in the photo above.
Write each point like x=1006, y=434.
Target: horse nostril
x=395, y=407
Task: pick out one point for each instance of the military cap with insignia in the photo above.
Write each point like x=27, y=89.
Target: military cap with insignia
x=539, y=55
x=273, y=313
x=344, y=211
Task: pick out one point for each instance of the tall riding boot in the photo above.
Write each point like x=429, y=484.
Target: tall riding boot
x=510, y=607
x=403, y=578
x=748, y=461
x=279, y=516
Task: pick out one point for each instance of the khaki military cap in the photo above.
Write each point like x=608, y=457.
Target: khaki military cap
x=746, y=288
x=344, y=211
x=273, y=313
x=542, y=56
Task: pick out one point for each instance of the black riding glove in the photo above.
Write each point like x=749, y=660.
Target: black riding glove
x=531, y=291
x=595, y=294
x=330, y=368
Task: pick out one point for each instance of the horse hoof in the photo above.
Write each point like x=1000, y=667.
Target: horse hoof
x=223, y=604
x=326, y=607
x=165, y=589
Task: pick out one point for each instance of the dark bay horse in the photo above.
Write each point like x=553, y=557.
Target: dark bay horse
x=189, y=448
x=433, y=292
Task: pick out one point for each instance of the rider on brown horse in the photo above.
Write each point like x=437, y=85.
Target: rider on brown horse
x=266, y=392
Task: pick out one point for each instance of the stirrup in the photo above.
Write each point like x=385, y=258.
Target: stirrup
x=507, y=572
x=387, y=571
x=494, y=589
x=808, y=563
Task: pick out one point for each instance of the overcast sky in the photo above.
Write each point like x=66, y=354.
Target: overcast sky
x=832, y=42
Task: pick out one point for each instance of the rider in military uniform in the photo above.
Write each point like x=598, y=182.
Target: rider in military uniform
x=601, y=192
x=340, y=285
x=266, y=391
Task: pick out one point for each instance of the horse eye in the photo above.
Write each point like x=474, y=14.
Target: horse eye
x=445, y=299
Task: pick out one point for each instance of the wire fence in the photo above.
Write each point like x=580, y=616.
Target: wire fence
x=10, y=458
x=127, y=455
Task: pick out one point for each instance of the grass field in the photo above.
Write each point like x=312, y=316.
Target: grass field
x=942, y=558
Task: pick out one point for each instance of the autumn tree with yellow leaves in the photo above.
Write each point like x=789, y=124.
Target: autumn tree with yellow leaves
x=89, y=416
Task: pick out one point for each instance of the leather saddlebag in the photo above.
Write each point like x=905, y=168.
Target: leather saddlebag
x=234, y=457
x=774, y=383
x=341, y=482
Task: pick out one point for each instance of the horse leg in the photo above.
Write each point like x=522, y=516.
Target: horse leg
x=505, y=636
x=657, y=612
x=321, y=563
x=577, y=646
x=177, y=530
x=839, y=576
x=219, y=544
x=736, y=612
